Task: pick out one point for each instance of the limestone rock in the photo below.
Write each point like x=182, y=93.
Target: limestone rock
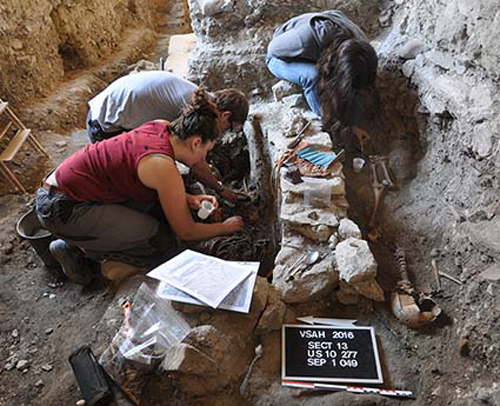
x=260, y=296
x=408, y=68
x=492, y=273
x=319, y=140
x=284, y=88
x=346, y=294
x=189, y=360
x=287, y=255
x=333, y=241
x=484, y=235
x=294, y=101
x=411, y=49
x=297, y=214
x=273, y=315
x=195, y=373
x=371, y=290
x=17, y=44
x=482, y=142
x=292, y=123
x=319, y=233
x=315, y=283
x=355, y=261
x=444, y=60
x=212, y=7
x=348, y=229
x=337, y=185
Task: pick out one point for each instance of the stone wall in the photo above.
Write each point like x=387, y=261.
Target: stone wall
x=41, y=41
x=447, y=51
x=233, y=36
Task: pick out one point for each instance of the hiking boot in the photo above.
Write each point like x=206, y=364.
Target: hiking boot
x=72, y=262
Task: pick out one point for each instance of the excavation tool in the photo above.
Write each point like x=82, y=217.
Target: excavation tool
x=298, y=137
x=381, y=181
x=409, y=306
x=304, y=262
x=259, y=352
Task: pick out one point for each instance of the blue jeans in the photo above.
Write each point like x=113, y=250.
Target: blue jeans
x=301, y=73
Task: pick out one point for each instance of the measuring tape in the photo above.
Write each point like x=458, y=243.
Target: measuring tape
x=352, y=389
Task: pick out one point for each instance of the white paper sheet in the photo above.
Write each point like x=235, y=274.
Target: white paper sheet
x=239, y=300
x=203, y=277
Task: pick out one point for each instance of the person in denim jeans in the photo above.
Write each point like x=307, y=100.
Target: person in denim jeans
x=295, y=52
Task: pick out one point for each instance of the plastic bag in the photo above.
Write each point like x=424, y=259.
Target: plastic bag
x=149, y=329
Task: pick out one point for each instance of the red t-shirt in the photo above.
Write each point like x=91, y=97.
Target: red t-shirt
x=106, y=172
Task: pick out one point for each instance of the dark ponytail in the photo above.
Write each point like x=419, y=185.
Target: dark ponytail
x=200, y=117
x=346, y=70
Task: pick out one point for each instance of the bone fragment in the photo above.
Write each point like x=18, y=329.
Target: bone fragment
x=436, y=274
x=449, y=277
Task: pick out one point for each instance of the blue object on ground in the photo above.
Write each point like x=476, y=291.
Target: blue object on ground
x=318, y=158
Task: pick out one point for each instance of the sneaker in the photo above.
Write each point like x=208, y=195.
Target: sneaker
x=72, y=262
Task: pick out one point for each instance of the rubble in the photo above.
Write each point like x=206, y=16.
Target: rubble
x=316, y=283
x=283, y=89
x=355, y=261
x=348, y=229
x=22, y=365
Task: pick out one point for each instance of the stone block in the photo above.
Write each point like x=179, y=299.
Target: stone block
x=484, y=235
x=284, y=88
x=336, y=183
x=482, y=141
x=294, y=101
x=333, y=240
x=273, y=315
x=348, y=229
x=319, y=140
x=189, y=360
x=320, y=233
x=492, y=273
x=355, y=261
x=213, y=7
x=346, y=294
x=371, y=290
x=411, y=49
x=441, y=59
x=315, y=283
x=296, y=214
x=408, y=68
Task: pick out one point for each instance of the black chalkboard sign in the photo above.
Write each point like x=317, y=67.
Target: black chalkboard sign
x=330, y=354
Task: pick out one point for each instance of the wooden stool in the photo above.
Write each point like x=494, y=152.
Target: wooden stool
x=21, y=134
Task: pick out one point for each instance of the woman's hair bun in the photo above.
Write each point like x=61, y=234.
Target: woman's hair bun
x=202, y=102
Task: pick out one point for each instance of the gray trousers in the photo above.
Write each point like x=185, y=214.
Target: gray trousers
x=120, y=232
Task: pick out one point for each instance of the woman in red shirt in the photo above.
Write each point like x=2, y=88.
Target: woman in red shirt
x=97, y=200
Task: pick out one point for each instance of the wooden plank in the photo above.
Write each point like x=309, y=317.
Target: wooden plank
x=37, y=145
x=15, y=143
x=9, y=175
x=7, y=127
x=14, y=117
x=3, y=106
